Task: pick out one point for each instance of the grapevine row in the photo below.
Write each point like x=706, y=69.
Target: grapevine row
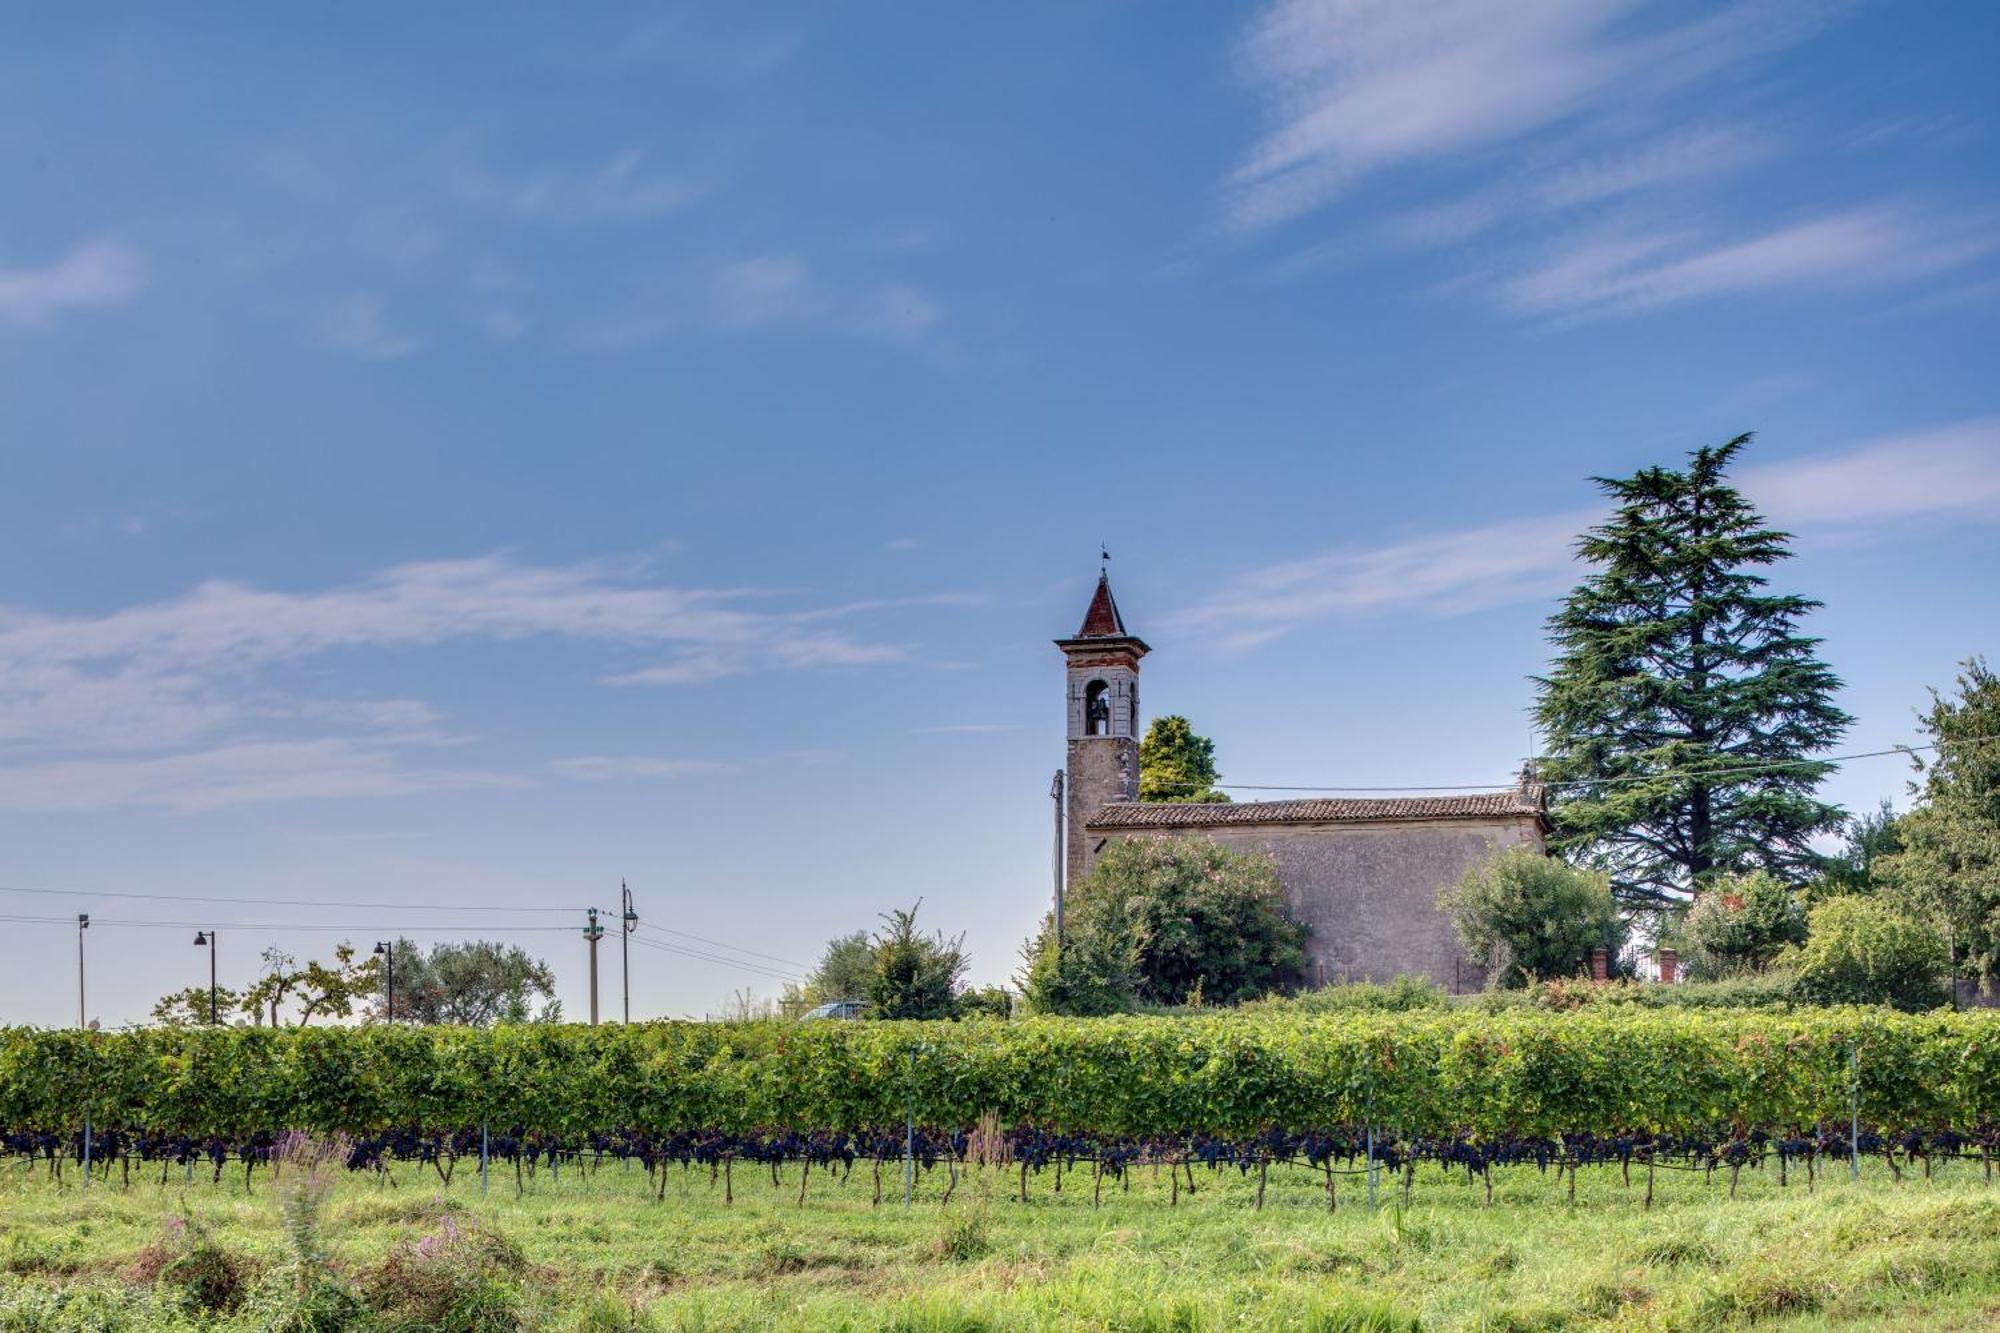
x=1463, y=1091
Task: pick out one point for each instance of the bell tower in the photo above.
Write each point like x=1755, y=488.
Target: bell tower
x=1102, y=664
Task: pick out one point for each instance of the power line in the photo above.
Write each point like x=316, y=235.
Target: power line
x=1761, y=766
x=769, y=974
x=703, y=954
x=425, y=928
x=280, y=902
x=788, y=962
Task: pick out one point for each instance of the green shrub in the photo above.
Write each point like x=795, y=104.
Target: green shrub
x=1405, y=994
x=1864, y=951
x=1739, y=924
x=1773, y=988
x=1529, y=915
x=192, y=1263
x=1163, y=921
x=460, y=1277
x=987, y=1002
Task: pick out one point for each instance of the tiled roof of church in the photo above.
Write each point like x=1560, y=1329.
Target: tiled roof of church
x=1148, y=815
x=1102, y=620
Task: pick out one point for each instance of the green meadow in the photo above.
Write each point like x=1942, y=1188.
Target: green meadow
x=601, y=1250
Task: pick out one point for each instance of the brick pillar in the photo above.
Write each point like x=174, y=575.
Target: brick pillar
x=1600, y=964
x=1670, y=964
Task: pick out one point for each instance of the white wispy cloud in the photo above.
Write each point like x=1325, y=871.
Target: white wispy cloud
x=250, y=773
x=1947, y=472
x=624, y=188
x=1615, y=272
x=1585, y=180
x=90, y=275
x=1353, y=87
x=360, y=325
x=776, y=294
x=195, y=673
x=627, y=767
x=783, y=292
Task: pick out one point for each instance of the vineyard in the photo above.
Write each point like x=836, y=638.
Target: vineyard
x=1335, y=1095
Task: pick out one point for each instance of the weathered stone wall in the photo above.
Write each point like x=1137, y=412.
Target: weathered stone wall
x=1102, y=769
x=1369, y=890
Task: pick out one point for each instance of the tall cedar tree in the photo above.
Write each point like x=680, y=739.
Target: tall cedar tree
x=1683, y=704
x=1176, y=765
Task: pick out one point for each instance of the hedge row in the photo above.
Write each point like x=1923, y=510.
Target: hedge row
x=1509, y=1075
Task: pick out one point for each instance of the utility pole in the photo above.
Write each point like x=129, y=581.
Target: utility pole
x=82, y=924
x=593, y=933
x=1056, y=795
x=631, y=922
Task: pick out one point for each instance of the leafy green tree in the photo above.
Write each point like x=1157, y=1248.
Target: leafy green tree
x=322, y=991
x=1684, y=706
x=916, y=976
x=1095, y=971
x=190, y=1008
x=1531, y=916
x=1740, y=924
x=1857, y=867
x=1176, y=765
x=1948, y=867
x=1865, y=951
x=987, y=1002
x=846, y=966
x=1183, y=917
x=475, y=983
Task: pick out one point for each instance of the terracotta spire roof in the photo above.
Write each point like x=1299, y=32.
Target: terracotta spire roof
x=1102, y=620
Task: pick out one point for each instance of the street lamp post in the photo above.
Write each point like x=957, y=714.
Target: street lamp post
x=386, y=951
x=631, y=919
x=82, y=924
x=207, y=938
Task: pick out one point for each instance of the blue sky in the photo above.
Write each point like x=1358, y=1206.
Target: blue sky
x=462, y=457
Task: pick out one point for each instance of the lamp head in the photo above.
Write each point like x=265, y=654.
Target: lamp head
x=200, y=938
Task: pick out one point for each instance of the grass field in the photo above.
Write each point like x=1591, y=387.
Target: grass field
x=599, y=1252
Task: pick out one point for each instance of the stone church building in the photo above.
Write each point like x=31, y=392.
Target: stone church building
x=1363, y=874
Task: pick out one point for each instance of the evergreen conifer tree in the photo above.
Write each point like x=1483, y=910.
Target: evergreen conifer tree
x=1684, y=706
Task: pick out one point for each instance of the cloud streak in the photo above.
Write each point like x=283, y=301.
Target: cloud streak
x=252, y=773
x=1616, y=273
x=194, y=674
x=1946, y=473
x=1355, y=87
x=90, y=276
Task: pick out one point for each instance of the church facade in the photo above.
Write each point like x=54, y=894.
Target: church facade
x=1363, y=874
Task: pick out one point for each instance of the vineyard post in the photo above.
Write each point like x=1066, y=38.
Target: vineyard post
x=1854, y=1113
x=910, y=1133
x=1371, y=1140
x=482, y=1157
x=86, y=1150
